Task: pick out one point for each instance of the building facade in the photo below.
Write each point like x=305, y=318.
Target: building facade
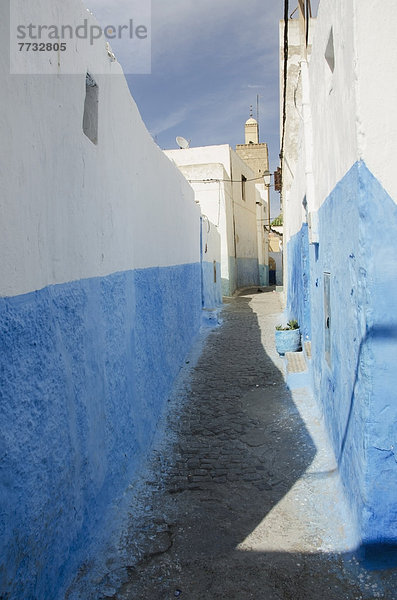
x=256, y=156
x=225, y=189
x=340, y=251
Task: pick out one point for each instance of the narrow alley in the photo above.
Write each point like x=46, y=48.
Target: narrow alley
x=198, y=284
x=245, y=501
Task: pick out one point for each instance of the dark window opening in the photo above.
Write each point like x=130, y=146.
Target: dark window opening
x=330, y=52
x=90, y=118
x=243, y=185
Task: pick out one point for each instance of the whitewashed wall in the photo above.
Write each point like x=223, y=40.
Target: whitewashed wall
x=245, y=210
x=101, y=210
x=202, y=155
x=100, y=301
x=237, y=220
x=334, y=114
x=215, y=202
x=204, y=159
x=211, y=264
x=342, y=286
x=375, y=23
x=356, y=113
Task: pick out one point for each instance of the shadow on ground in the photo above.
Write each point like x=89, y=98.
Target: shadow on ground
x=240, y=447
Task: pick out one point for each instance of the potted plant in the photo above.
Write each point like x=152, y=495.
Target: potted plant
x=288, y=337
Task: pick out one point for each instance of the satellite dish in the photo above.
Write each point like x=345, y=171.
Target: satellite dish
x=182, y=143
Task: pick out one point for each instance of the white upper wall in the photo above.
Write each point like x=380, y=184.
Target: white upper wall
x=211, y=194
x=333, y=97
x=215, y=202
x=294, y=213
x=244, y=209
x=71, y=209
x=376, y=23
x=353, y=107
x=293, y=94
x=203, y=161
x=201, y=155
x=211, y=241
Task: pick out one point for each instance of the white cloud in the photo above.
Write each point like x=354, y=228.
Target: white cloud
x=166, y=122
x=180, y=25
x=210, y=59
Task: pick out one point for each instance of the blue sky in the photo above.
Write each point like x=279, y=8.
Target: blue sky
x=210, y=59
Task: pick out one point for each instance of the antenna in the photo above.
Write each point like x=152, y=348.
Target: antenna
x=182, y=143
x=257, y=112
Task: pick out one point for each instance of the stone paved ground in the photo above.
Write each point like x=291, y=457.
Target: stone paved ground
x=215, y=523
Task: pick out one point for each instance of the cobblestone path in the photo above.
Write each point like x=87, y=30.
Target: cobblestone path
x=239, y=446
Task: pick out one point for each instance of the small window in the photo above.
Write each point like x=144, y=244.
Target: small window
x=243, y=186
x=214, y=271
x=330, y=52
x=90, y=118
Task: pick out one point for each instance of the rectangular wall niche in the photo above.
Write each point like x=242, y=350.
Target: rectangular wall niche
x=330, y=52
x=90, y=118
x=327, y=317
x=243, y=187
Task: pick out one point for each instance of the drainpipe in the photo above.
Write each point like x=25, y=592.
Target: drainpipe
x=308, y=138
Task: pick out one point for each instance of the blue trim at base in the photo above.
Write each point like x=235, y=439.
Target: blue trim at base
x=243, y=272
x=212, y=290
x=86, y=369
x=298, y=301
x=356, y=381
x=264, y=275
x=247, y=272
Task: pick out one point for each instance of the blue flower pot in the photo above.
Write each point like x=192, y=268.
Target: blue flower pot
x=288, y=341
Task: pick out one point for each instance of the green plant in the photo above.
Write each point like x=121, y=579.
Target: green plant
x=278, y=221
x=292, y=324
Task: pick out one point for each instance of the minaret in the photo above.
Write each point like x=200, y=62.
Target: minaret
x=251, y=130
x=256, y=156
x=252, y=152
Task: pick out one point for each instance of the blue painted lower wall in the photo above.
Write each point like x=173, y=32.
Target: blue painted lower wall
x=298, y=301
x=212, y=284
x=86, y=368
x=247, y=272
x=229, y=280
x=357, y=384
x=264, y=275
x=243, y=272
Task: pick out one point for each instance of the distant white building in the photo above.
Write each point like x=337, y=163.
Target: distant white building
x=225, y=188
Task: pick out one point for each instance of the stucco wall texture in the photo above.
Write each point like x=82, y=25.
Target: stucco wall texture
x=100, y=300
x=356, y=386
x=299, y=281
x=210, y=265
x=223, y=203
x=343, y=289
x=86, y=368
